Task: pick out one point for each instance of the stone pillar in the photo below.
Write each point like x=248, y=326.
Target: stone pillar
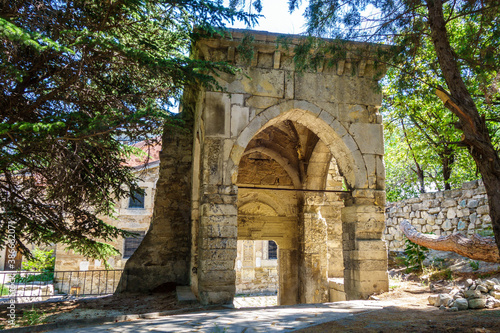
x=314, y=263
x=331, y=212
x=217, y=245
x=365, y=254
x=288, y=290
x=162, y=259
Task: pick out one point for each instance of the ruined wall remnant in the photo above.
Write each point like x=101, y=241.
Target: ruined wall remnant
x=270, y=156
x=464, y=210
x=163, y=256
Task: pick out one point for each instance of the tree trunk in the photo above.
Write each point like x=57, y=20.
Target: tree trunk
x=447, y=159
x=477, y=247
x=418, y=171
x=460, y=102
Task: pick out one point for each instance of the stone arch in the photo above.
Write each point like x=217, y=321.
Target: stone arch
x=317, y=170
x=334, y=135
x=281, y=160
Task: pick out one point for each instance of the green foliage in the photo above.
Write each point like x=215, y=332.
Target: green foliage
x=441, y=274
x=3, y=290
x=40, y=261
x=487, y=232
x=474, y=264
x=422, y=137
x=415, y=255
x=425, y=149
x=79, y=81
x=44, y=277
x=32, y=317
x=245, y=49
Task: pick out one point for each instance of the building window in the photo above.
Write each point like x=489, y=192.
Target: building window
x=132, y=243
x=136, y=199
x=272, y=250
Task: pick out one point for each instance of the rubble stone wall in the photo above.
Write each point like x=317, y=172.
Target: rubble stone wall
x=463, y=210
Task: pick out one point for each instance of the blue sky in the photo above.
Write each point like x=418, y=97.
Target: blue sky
x=278, y=19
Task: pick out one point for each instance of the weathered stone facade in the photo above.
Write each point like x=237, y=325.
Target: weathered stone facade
x=463, y=210
x=265, y=161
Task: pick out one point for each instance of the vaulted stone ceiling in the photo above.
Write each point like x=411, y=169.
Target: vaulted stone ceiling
x=278, y=156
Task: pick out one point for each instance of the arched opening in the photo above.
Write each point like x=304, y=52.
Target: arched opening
x=281, y=180
x=288, y=191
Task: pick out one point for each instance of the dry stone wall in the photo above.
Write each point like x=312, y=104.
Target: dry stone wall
x=463, y=210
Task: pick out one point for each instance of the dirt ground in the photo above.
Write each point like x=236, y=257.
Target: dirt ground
x=49, y=312
x=410, y=293
x=414, y=314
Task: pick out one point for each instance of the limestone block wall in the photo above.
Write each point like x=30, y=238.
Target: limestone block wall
x=463, y=210
x=162, y=259
x=255, y=272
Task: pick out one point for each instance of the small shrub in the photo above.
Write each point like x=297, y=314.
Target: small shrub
x=415, y=255
x=438, y=262
x=44, y=276
x=32, y=317
x=41, y=261
x=474, y=264
x=487, y=232
x=400, y=261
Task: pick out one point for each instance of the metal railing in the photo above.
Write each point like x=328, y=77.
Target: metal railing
x=27, y=287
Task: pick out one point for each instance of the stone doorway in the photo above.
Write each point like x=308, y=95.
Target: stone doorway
x=263, y=162
x=289, y=190
x=257, y=273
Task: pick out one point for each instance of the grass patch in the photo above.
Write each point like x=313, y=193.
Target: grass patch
x=32, y=317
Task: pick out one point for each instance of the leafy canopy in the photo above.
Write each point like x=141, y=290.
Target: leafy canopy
x=423, y=139
x=76, y=79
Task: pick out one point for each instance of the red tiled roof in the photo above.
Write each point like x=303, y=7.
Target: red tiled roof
x=152, y=149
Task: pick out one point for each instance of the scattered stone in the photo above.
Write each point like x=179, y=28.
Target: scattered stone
x=482, y=289
x=461, y=304
x=433, y=299
x=495, y=294
x=444, y=299
x=473, y=295
x=490, y=283
x=477, y=303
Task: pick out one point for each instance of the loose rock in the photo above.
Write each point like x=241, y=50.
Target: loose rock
x=474, y=295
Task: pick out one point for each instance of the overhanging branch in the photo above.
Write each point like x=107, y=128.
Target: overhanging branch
x=476, y=247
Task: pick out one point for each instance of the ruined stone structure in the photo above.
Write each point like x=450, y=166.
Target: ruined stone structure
x=464, y=210
x=267, y=159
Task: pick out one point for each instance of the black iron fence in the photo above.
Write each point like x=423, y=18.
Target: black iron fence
x=26, y=287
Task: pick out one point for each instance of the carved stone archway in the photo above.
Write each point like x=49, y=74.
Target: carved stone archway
x=263, y=152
